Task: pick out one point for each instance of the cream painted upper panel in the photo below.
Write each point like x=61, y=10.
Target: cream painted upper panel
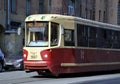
x=66, y=21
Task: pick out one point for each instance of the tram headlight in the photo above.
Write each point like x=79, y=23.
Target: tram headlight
x=45, y=54
x=25, y=54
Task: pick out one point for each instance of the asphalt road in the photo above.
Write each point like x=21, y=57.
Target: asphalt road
x=20, y=77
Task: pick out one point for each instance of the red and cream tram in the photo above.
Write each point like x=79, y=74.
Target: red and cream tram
x=61, y=44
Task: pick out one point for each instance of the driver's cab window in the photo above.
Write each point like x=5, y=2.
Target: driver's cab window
x=54, y=34
x=37, y=34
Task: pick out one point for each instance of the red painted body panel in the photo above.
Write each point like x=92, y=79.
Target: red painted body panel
x=57, y=56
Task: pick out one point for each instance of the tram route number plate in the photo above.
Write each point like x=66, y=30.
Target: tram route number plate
x=33, y=55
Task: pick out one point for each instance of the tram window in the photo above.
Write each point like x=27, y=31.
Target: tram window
x=108, y=39
x=115, y=40
x=88, y=36
x=99, y=39
x=92, y=37
x=82, y=35
x=69, y=38
x=103, y=38
x=118, y=33
x=54, y=34
x=37, y=34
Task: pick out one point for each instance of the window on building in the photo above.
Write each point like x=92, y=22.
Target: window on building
x=5, y=4
x=86, y=9
x=13, y=6
x=93, y=17
x=93, y=9
x=15, y=25
x=0, y=5
x=80, y=9
x=28, y=5
x=86, y=13
x=71, y=8
x=91, y=14
x=50, y=6
x=99, y=15
x=118, y=21
x=41, y=6
x=104, y=17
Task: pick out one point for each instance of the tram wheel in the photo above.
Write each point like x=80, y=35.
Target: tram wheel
x=44, y=72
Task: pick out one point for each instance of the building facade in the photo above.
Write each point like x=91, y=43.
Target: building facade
x=13, y=13
x=107, y=11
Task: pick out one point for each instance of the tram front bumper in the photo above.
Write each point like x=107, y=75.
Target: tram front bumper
x=32, y=65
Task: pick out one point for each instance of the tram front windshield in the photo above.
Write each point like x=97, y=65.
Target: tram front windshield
x=37, y=34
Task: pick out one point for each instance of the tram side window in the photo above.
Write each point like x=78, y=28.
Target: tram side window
x=54, y=34
x=92, y=37
x=107, y=38
x=115, y=39
x=98, y=38
x=104, y=38
x=69, y=38
x=82, y=35
x=118, y=33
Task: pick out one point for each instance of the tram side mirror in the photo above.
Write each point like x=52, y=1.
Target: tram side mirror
x=19, y=31
x=62, y=29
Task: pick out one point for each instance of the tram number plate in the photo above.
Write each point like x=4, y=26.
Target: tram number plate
x=33, y=56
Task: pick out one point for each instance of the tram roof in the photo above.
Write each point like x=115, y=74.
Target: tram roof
x=47, y=17
x=51, y=17
x=97, y=24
